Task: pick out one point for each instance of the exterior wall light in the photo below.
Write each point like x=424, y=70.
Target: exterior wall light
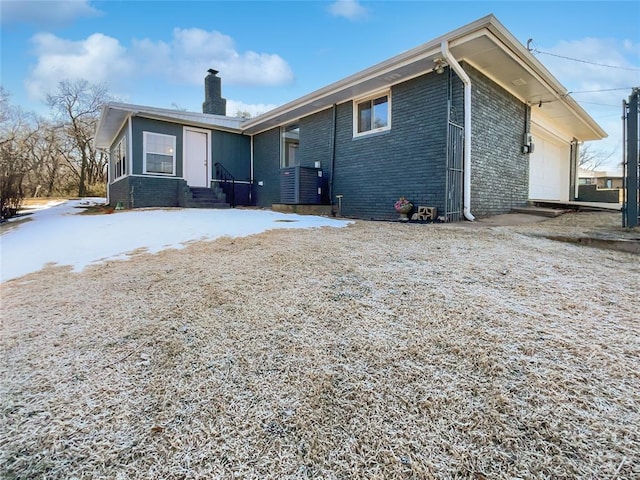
x=438, y=66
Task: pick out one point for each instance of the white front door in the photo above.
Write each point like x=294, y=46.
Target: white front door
x=196, y=159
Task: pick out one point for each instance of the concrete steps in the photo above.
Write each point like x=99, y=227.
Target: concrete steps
x=540, y=211
x=207, y=198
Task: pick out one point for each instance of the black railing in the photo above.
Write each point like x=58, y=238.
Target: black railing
x=227, y=183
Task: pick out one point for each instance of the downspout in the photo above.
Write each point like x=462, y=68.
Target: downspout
x=444, y=46
x=333, y=154
x=251, y=186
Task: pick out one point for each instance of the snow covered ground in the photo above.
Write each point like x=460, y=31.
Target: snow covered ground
x=57, y=235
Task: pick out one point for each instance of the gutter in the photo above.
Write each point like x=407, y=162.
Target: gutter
x=466, y=197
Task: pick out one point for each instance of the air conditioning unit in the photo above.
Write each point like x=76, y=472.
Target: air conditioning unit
x=301, y=185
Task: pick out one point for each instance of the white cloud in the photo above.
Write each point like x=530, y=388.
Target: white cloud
x=351, y=9
x=604, y=64
x=98, y=59
x=52, y=12
x=184, y=60
x=255, y=109
x=599, y=82
x=193, y=51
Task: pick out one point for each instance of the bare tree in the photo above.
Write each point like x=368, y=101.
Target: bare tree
x=592, y=159
x=77, y=106
x=48, y=151
x=15, y=132
x=243, y=114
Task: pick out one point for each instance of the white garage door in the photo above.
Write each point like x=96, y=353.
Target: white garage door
x=549, y=167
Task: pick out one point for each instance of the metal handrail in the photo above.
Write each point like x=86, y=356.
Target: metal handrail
x=224, y=176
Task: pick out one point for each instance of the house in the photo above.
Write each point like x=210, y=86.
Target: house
x=600, y=186
x=600, y=178
x=470, y=123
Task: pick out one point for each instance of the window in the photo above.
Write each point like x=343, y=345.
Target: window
x=289, y=146
x=159, y=153
x=371, y=115
x=119, y=158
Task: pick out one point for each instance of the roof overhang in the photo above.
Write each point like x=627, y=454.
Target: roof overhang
x=484, y=44
x=114, y=115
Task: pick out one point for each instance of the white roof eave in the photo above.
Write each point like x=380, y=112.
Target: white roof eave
x=421, y=58
x=114, y=114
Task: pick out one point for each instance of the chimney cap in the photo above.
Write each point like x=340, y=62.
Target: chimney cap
x=212, y=71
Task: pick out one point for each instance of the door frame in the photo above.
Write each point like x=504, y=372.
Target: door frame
x=184, y=153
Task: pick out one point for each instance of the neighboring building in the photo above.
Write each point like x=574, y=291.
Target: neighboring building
x=600, y=186
x=601, y=179
x=470, y=123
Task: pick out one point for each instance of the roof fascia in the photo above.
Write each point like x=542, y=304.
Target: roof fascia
x=105, y=109
x=185, y=122
x=165, y=115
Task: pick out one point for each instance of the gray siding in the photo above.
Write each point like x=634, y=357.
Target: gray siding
x=139, y=190
x=499, y=171
x=141, y=125
x=233, y=151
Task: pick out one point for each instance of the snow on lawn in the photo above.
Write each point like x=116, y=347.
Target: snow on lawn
x=57, y=235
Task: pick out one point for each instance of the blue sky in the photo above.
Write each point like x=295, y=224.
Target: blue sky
x=156, y=53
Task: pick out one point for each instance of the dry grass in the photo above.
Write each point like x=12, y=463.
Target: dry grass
x=377, y=351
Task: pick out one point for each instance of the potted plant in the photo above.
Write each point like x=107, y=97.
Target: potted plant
x=403, y=207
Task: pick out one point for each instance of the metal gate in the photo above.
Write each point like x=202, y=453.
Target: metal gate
x=631, y=130
x=455, y=156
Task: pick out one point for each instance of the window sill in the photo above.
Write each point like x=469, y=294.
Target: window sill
x=372, y=133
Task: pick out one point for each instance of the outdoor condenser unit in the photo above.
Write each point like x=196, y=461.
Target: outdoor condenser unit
x=301, y=185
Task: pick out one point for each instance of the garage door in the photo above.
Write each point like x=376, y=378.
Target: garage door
x=549, y=167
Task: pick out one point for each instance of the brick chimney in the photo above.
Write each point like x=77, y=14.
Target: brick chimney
x=213, y=101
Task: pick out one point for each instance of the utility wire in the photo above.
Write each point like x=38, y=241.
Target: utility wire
x=603, y=90
x=600, y=104
x=633, y=69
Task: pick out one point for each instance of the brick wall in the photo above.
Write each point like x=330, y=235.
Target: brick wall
x=119, y=192
x=315, y=139
x=373, y=171
x=138, y=192
x=499, y=171
x=266, y=167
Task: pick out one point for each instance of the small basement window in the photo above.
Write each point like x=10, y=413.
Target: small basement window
x=372, y=114
x=159, y=152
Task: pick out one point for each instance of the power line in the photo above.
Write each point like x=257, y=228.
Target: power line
x=603, y=90
x=600, y=104
x=633, y=69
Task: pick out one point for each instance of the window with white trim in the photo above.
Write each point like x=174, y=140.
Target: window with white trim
x=159, y=152
x=119, y=157
x=289, y=145
x=372, y=114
